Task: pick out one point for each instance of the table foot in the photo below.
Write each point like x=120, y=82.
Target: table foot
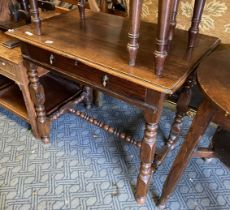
x=45, y=139
x=161, y=205
x=140, y=200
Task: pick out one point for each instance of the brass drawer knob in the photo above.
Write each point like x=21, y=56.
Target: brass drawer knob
x=105, y=80
x=51, y=59
x=3, y=63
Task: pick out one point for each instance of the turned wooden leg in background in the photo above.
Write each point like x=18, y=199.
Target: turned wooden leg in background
x=199, y=125
x=38, y=98
x=182, y=108
x=89, y=97
x=35, y=14
x=81, y=7
x=24, y=87
x=98, y=97
x=135, y=16
x=148, y=146
x=173, y=21
x=196, y=18
x=163, y=25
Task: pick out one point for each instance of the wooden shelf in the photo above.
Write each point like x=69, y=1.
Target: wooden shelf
x=58, y=91
x=11, y=99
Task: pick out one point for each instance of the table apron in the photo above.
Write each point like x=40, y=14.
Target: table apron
x=120, y=88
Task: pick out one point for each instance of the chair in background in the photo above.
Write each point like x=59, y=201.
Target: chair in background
x=213, y=77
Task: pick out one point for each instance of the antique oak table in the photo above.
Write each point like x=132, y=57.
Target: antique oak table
x=93, y=52
x=213, y=77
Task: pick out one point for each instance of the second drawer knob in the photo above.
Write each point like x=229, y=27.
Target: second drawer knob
x=105, y=80
x=51, y=59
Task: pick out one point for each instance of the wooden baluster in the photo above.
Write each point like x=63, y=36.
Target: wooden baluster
x=35, y=14
x=173, y=21
x=25, y=5
x=135, y=16
x=81, y=7
x=199, y=125
x=160, y=53
x=196, y=19
x=38, y=98
x=148, y=145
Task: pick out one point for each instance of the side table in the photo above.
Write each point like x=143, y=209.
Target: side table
x=94, y=54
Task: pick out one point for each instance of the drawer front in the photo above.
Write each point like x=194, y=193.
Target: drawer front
x=7, y=69
x=88, y=75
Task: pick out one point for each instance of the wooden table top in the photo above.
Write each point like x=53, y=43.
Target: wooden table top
x=101, y=43
x=214, y=77
x=13, y=55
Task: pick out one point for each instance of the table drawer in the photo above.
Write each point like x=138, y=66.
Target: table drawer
x=88, y=75
x=7, y=69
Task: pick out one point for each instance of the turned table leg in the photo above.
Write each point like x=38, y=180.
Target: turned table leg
x=38, y=98
x=182, y=108
x=196, y=18
x=173, y=21
x=35, y=14
x=89, y=97
x=160, y=53
x=199, y=125
x=81, y=7
x=135, y=16
x=148, y=146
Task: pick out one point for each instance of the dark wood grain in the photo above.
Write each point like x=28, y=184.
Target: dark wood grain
x=200, y=123
x=107, y=33
x=214, y=72
x=94, y=54
x=213, y=77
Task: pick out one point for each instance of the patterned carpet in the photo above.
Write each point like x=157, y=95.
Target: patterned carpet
x=86, y=168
